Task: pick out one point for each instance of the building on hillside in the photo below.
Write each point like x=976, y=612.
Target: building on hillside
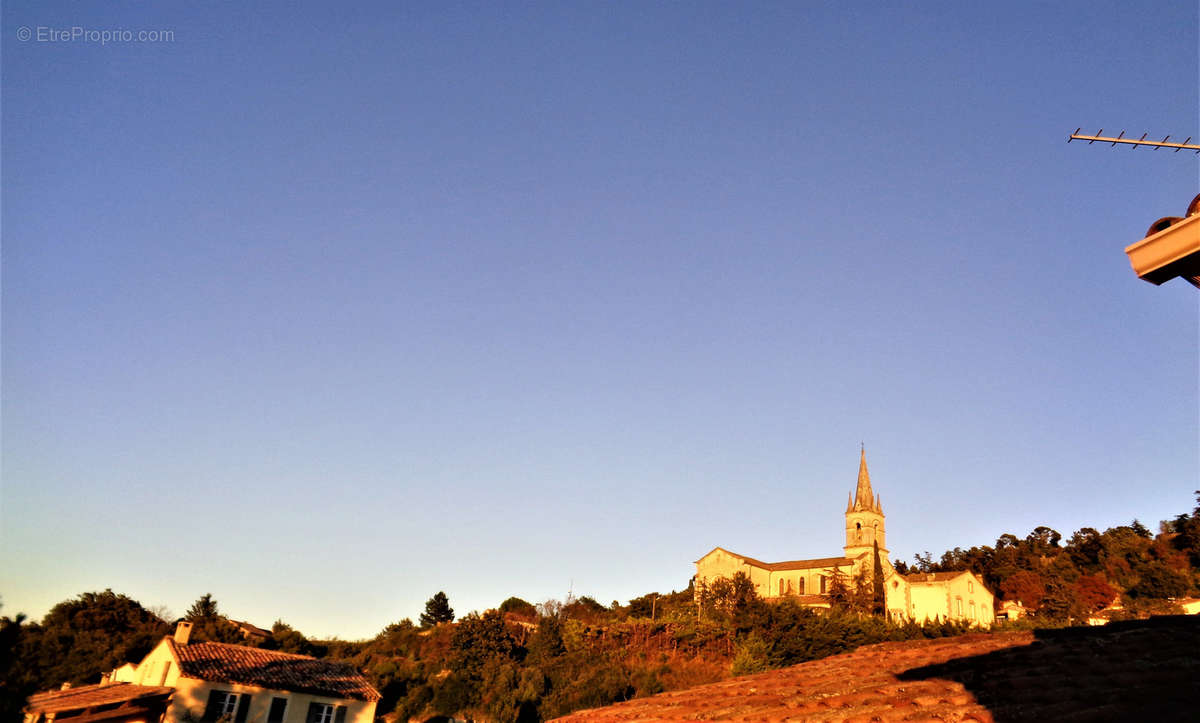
x=251, y=632
x=1011, y=610
x=950, y=596
x=1189, y=605
x=240, y=684
x=953, y=596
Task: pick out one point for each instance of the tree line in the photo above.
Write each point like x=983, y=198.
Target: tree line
x=527, y=662
x=1062, y=582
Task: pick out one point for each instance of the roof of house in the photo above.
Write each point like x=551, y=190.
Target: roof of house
x=822, y=600
x=787, y=565
x=918, y=577
x=251, y=628
x=225, y=663
x=87, y=696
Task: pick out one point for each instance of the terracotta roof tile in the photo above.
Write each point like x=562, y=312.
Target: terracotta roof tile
x=934, y=576
x=809, y=564
x=790, y=564
x=85, y=696
x=221, y=662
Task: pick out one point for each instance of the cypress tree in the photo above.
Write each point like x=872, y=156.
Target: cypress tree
x=880, y=596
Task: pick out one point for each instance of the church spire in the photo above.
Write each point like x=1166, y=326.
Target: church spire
x=864, y=499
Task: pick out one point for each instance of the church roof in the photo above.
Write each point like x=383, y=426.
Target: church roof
x=786, y=565
x=807, y=564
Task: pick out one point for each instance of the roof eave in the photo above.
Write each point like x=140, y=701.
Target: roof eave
x=1172, y=252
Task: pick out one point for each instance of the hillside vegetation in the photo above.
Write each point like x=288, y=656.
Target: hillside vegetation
x=525, y=662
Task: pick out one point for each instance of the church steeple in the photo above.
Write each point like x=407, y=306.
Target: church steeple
x=864, y=498
x=864, y=515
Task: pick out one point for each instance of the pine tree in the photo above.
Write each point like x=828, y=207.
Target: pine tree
x=437, y=610
x=203, y=609
x=879, y=594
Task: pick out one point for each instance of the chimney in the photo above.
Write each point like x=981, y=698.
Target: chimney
x=183, y=631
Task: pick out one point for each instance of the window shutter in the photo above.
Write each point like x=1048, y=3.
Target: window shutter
x=243, y=708
x=216, y=698
x=339, y=714
x=313, y=712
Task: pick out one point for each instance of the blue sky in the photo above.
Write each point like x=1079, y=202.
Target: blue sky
x=325, y=308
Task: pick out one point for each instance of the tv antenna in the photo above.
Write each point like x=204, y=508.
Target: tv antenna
x=1135, y=142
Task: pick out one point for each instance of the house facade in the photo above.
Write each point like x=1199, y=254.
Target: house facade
x=948, y=596
x=241, y=684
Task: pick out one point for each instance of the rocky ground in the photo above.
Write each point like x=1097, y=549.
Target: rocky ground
x=1136, y=671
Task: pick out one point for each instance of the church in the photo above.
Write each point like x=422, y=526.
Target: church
x=919, y=596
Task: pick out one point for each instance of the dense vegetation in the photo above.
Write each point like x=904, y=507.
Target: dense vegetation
x=525, y=662
x=1062, y=583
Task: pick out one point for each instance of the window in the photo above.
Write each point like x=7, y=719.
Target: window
x=278, y=708
x=782, y=587
x=824, y=584
x=229, y=706
x=325, y=713
x=800, y=586
x=970, y=586
x=959, y=607
x=972, y=609
x=226, y=706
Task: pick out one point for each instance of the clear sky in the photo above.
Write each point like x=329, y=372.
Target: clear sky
x=325, y=307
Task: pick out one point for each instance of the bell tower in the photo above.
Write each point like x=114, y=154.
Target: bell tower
x=864, y=517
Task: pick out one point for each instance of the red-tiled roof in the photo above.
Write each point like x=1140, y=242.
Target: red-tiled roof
x=789, y=564
x=220, y=662
x=809, y=564
x=811, y=599
x=86, y=696
x=934, y=576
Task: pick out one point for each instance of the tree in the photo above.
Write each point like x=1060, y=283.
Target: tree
x=16, y=682
x=210, y=625
x=1160, y=582
x=479, y=639
x=1140, y=529
x=287, y=639
x=547, y=642
x=517, y=606
x=437, y=611
x=730, y=594
x=205, y=608
x=1025, y=586
x=81, y=638
x=585, y=608
x=1092, y=592
x=878, y=594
